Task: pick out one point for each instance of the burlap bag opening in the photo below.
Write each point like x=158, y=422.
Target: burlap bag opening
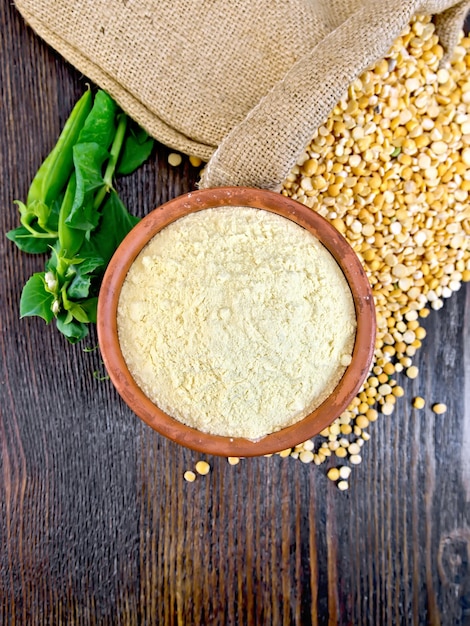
x=241, y=84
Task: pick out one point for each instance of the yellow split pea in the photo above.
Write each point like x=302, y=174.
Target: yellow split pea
x=203, y=468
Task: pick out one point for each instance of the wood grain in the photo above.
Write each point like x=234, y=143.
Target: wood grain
x=98, y=526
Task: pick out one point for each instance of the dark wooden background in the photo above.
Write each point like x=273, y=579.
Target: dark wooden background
x=97, y=524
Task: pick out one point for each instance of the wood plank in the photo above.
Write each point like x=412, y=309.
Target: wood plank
x=97, y=525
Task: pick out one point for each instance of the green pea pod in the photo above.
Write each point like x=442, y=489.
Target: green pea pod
x=56, y=169
x=70, y=239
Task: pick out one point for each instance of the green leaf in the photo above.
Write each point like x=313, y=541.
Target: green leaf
x=136, y=150
x=27, y=242
x=79, y=313
x=100, y=125
x=91, y=307
x=82, y=277
x=74, y=331
x=79, y=287
x=88, y=159
x=88, y=264
x=115, y=224
x=35, y=299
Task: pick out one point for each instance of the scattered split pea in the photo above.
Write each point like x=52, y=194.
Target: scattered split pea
x=419, y=402
x=333, y=474
x=190, y=476
x=195, y=161
x=175, y=159
x=203, y=468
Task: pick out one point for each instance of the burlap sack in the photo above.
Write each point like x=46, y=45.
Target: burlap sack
x=243, y=84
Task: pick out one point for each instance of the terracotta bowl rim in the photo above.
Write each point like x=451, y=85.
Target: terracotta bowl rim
x=154, y=417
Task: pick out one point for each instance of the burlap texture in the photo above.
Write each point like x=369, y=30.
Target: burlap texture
x=243, y=84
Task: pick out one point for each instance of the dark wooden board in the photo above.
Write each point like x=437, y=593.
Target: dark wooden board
x=97, y=525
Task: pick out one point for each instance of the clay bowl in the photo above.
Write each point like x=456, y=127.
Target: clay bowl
x=288, y=437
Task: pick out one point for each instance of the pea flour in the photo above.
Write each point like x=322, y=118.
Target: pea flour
x=236, y=321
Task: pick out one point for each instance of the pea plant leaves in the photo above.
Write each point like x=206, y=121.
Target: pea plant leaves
x=36, y=299
x=115, y=223
x=74, y=213
x=137, y=149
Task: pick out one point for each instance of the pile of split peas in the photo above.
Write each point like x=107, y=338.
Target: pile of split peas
x=390, y=169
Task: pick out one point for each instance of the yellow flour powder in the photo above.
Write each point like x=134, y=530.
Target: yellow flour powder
x=236, y=321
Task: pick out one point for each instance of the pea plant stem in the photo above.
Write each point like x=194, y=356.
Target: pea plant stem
x=112, y=162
